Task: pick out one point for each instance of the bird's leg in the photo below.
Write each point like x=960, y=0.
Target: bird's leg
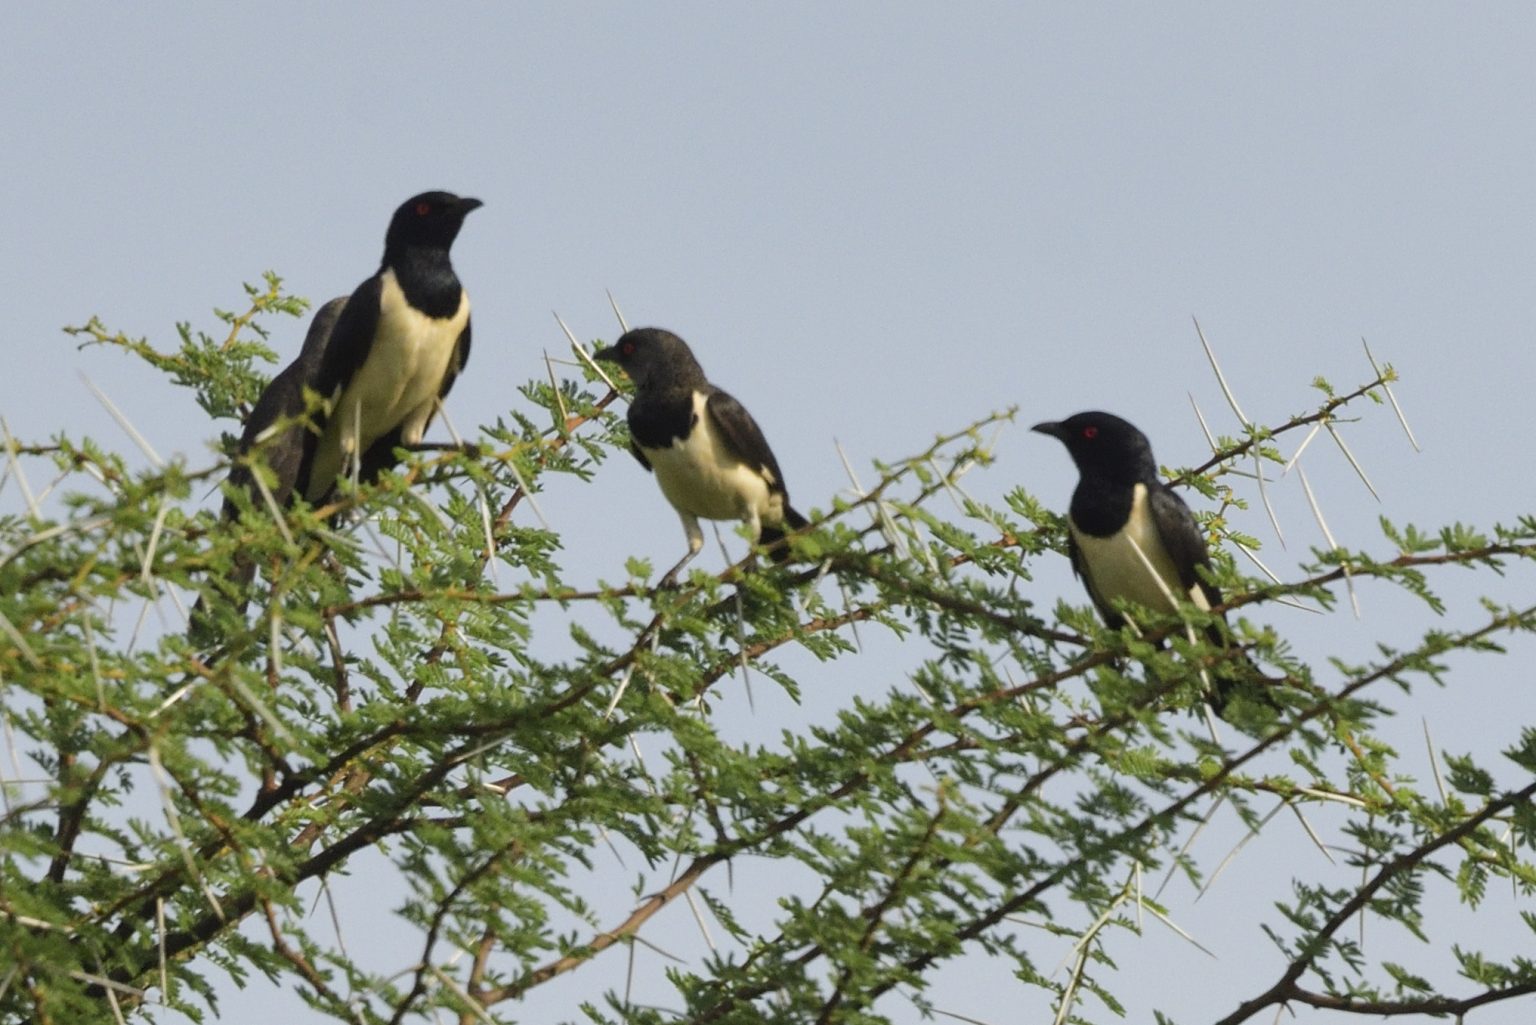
x=695, y=545
x=754, y=524
x=469, y=448
x=416, y=428
x=351, y=447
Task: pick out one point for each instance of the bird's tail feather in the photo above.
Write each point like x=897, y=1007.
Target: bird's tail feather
x=200, y=629
x=772, y=537
x=1237, y=674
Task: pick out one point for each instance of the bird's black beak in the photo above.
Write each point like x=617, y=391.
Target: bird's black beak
x=610, y=354
x=1052, y=427
x=466, y=204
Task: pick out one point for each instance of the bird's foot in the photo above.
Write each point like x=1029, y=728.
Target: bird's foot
x=470, y=449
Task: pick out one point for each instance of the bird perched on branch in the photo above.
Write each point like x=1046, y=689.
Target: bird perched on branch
x=1131, y=538
x=398, y=346
x=381, y=360
x=709, y=456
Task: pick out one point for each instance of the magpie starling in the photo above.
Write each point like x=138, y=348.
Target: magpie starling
x=398, y=345
x=1131, y=538
x=708, y=454
x=381, y=360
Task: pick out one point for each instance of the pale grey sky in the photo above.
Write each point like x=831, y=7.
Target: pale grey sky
x=874, y=222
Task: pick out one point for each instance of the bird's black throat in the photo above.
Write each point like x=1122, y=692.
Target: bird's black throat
x=1100, y=505
x=425, y=275
x=658, y=416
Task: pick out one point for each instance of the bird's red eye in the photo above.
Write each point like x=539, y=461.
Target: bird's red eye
x=629, y=348
x=1090, y=433
x=422, y=209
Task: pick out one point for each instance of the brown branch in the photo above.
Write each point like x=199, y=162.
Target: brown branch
x=603, y=940
x=1024, y=899
x=72, y=816
x=876, y=915
x=482, y=961
x=300, y=963
x=1285, y=988
x=1436, y=1006
x=439, y=916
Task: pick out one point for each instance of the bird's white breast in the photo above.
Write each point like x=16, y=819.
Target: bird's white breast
x=699, y=475
x=404, y=370
x=397, y=385
x=1132, y=564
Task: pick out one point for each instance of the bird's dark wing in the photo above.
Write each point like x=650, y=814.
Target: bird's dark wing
x=352, y=338
x=1181, y=537
x=456, y=362
x=743, y=437
x=287, y=452
x=635, y=450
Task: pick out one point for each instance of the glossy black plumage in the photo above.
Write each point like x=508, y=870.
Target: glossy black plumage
x=708, y=454
x=1131, y=538
x=285, y=450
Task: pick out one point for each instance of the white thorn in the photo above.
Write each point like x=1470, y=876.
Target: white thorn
x=1274, y=521
x=1220, y=377
x=272, y=507
x=1205, y=428
x=122, y=421
x=554, y=387
x=1300, y=449
x=1339, y=438
x=623, y=324
x=858, y=489
x=14, y=458
x=1391, y=398
x=1317, y=512
x=533, y=503
x=1434, y=762
x=1240, y=845
x=173, y=819
x=585, y=356
x=1312, y=833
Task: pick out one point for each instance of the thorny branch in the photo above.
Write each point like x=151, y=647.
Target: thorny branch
x=346, y=774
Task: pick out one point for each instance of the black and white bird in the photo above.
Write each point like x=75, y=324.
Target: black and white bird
x=1131, y=538
x=708, y=454
x=397, y=347
x=381, y=360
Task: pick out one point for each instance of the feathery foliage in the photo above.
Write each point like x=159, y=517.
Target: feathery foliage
x=535, y=774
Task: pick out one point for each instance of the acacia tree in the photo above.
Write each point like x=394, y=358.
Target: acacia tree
x=533, y=769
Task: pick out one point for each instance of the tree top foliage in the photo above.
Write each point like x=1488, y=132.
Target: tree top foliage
x=537, y=779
